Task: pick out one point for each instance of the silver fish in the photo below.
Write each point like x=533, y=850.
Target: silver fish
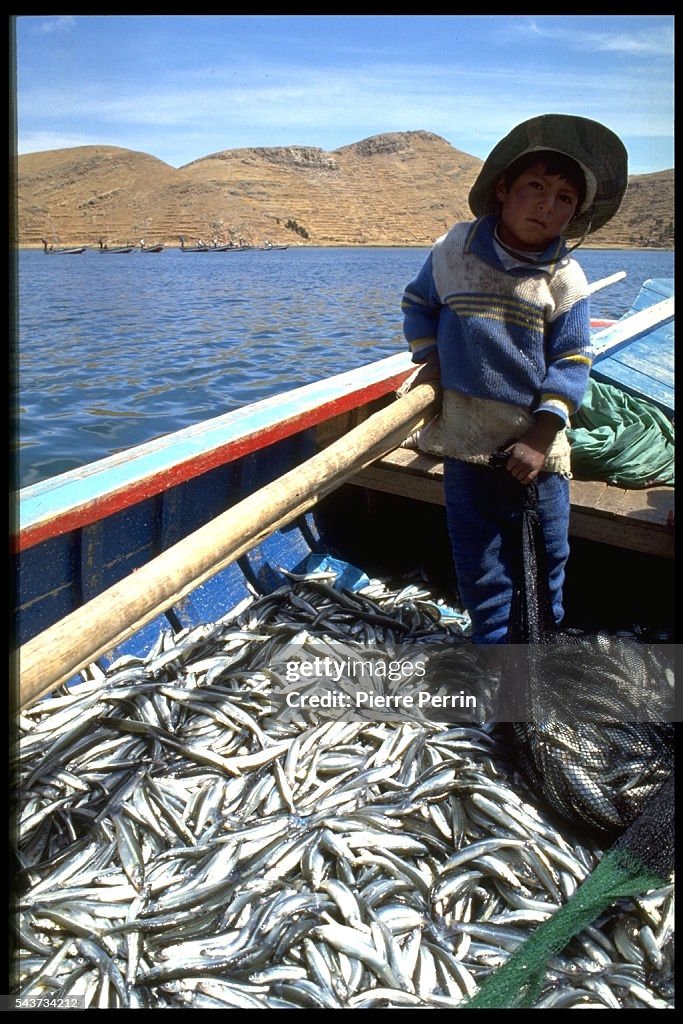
x=209, y=851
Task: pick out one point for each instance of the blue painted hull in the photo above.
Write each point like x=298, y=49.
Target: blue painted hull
x=643, y=367
x=90, y=528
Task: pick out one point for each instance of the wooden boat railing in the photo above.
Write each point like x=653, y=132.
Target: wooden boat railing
x=637, y=520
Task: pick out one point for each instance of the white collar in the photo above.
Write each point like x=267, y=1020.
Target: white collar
x=507, y=255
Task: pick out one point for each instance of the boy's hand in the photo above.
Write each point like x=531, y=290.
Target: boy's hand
x=527, y=456
x=525, y=461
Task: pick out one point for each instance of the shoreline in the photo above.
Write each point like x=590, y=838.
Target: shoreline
x=374, y=245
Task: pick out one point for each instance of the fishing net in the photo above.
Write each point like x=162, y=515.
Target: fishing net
x=593, y=712
x=640, y=860
x=593, y=734
x=621, y=439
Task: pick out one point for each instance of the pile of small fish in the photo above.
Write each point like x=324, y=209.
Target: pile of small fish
x=182, y=843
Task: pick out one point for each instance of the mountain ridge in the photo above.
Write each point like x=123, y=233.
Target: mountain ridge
x=393, y=189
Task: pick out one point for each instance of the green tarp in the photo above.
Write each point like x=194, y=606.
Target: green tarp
x=621, y=440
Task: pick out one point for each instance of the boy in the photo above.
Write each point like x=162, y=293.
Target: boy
x=499, y=313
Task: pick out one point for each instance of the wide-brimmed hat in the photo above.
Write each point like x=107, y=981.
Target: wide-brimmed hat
x=597, y=150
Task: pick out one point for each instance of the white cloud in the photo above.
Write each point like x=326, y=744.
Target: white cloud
x=297, y=96
x=61, y=24
x=650, y=41
x=656, y=44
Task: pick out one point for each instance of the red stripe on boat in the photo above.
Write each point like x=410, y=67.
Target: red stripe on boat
x=156, y=483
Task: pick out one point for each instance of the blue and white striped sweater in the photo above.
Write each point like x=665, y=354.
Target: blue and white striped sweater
x=519, y=335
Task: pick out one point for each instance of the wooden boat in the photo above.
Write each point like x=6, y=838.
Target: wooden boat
x=114, y=249
x=200, y=247
x=51, y=250
x=177, y=531
x=205, y=247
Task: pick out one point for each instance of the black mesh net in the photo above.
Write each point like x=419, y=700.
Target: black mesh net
x=599, y=776
x=592, y=724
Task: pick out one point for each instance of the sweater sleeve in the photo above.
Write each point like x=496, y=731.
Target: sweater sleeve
x=421, y=307
x=568, y=362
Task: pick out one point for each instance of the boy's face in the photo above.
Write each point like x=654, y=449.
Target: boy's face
x=536, y=208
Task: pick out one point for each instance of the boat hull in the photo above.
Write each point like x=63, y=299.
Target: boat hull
x=65, y=252
x=643, y=367
x=84, y=531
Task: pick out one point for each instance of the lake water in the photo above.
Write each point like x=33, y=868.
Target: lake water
x=112, y=351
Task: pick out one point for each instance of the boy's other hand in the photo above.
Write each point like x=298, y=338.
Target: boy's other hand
x=527, y=455
x=524, y=462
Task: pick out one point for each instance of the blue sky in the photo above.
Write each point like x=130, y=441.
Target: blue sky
x=180, y=87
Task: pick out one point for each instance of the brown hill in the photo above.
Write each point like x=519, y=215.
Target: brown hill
x=402, y=188
x=646, y=216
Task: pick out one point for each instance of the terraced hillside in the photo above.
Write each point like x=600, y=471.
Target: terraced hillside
x=402, y=188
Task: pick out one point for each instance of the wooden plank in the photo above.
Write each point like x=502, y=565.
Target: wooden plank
x=652, y=290
x=631, y=534
x=636, y=520
x=636, y=360
x=604, y=282
x=612, y=501
x=588, y=495
x=652, y=504
x=638, y=384
x=632, y=519
x=417, y=462
x=651, y=360
x=389, y=481
x=625, y=331
x=642, y=365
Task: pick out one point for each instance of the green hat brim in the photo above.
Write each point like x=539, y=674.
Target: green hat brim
x=590, y=143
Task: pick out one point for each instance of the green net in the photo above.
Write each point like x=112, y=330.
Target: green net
x=578, y=766
x=640, y=860
x=621, y=439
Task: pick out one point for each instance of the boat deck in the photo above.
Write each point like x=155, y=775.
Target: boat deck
x=632, y=519
x=644, y=368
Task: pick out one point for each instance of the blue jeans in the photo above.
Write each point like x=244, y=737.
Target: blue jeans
x=482, y=508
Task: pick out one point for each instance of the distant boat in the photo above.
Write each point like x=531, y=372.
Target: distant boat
x=114, y=248
x=51, y=250
x=224, y=247
x=150, y=248
x=199, y=247
x=269, y=245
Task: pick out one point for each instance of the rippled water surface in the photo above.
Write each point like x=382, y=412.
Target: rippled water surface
x=114, y=350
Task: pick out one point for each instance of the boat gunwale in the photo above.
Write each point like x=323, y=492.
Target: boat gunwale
x=82, y=496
